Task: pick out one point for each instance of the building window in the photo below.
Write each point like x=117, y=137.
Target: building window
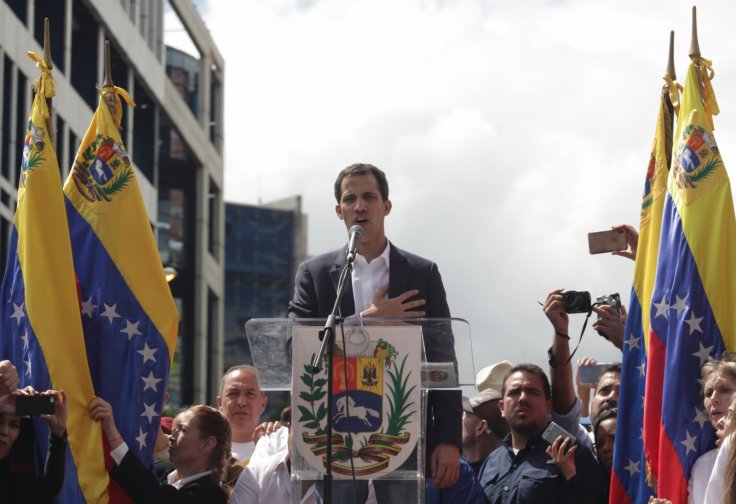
x=214, y=203
x=55, y=11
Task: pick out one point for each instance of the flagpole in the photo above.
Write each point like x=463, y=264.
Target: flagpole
x=107, y=81
x=50, y=66
x=694, y=46
x=671, y=60
x=668, y=101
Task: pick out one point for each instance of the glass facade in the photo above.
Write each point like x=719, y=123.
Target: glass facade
x=259, y=271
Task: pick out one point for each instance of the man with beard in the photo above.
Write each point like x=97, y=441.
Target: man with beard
x=519, y=471
x=566, y=405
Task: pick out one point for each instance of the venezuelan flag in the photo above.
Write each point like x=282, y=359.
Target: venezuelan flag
x=128, y=314
x=628, y=481
x=692, y=316
x=42, y=330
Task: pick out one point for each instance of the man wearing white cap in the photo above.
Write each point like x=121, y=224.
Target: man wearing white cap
x=483, y=426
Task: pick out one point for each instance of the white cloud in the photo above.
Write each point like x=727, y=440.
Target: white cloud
x=508, y=130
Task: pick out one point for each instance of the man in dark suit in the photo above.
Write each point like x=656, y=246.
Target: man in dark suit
x=386, y=282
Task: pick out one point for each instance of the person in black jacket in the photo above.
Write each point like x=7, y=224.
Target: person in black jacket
x=387, y=282
x=199, y=449
x=16, y=484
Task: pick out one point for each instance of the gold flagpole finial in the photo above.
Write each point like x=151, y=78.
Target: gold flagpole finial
x=47, y=44
x=671, y=60
x=107, y=82
x=694, y=46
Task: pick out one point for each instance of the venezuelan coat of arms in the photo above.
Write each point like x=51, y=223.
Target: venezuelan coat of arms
x=376, y=399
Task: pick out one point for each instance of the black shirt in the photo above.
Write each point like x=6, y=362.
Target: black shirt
x=527, y=477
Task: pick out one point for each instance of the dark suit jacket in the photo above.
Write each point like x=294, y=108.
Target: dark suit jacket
x=315, y=292
x=143, y=487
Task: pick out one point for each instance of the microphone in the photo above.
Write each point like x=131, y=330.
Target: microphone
x=356, y=233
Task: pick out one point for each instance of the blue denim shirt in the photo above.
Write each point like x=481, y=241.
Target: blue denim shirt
x=527, y=477
x=466, y=489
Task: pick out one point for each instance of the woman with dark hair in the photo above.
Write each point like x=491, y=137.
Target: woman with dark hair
x=16, y=485
x=199, y=449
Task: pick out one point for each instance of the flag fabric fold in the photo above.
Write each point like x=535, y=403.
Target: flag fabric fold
x=629, y=478
x=40, y=313
x=128, y=314
x=692, y=317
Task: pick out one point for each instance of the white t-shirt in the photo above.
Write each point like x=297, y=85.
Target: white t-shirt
x=700, y=475
x=243, y=451
x=714, y=494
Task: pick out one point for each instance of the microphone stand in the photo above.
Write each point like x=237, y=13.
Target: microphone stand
x=328, y=350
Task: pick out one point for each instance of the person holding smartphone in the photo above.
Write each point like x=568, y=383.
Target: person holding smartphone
x=526, y=468
x=17, y=486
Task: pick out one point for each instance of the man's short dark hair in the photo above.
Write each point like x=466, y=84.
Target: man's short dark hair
x=533, y=369
x=606, y=414
x=613, y=367
x=362, y=169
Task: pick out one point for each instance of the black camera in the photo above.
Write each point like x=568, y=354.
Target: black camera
x=576, y=301
x=611, y=300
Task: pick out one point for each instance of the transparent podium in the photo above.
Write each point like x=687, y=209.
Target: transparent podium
x=385, y=375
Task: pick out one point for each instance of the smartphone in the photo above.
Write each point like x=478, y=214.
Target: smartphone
x=553, y=431
x=607, y=241
x=589, y=375
x=35, y=405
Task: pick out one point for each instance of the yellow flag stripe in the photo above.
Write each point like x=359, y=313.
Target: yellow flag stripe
x=44, y=254
x=710, y=226
x=651, y=221
x=118, y=226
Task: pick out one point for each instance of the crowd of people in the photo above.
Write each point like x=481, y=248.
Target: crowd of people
x=524, y=436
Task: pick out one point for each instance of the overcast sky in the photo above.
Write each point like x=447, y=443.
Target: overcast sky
x=508, y=130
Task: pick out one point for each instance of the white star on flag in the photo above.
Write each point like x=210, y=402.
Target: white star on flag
x=110, y=312
x=149, y=411
x=28, y=365
x=148, y=353
x=141, y=439
x=703, y=354
x=694, y=323
x=150, y=382
x=689, y=443
x=18, y=312
x=632, y=342
x=641, y=433
x=25, y=340
x=700, y=417
x=662, y=308
x=131, y=329
x=88, y=307
x=642, y=368
x=680, y=305
x=633, y=467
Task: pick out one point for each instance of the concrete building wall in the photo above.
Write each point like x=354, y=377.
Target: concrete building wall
x=191, y=171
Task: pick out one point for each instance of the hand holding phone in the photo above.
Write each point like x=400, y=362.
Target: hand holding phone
x=561, y=454
x=607, y=241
